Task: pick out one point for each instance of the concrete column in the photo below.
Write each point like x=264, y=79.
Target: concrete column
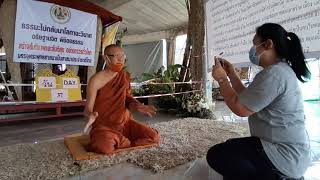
x=92, y=69
x=171, y=51
x=7, y=27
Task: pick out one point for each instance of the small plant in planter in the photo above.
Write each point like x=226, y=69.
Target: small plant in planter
x=170, y=75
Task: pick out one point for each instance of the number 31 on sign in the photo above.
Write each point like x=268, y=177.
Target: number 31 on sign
x=59, y=95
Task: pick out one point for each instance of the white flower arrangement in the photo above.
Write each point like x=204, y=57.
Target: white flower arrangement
x=195, y=104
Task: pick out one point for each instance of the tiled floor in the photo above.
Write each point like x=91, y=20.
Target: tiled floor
x=41, y=130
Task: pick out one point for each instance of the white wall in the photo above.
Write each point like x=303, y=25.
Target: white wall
x=145, y=57
x=231, y=25
x=180, y=47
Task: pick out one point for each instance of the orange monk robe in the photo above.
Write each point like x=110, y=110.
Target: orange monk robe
x=115, y=127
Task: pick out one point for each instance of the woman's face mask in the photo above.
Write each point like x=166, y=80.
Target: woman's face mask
x=254, y=58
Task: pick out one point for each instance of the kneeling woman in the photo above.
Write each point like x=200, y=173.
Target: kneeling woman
x=279, y=146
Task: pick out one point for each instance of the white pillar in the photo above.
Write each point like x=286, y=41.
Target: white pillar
x=207, y=70
x=207, y=78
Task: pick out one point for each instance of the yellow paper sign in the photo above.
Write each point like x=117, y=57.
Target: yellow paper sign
x=43, y=92
x=58, y=95
x=53, y=88
x=71, y=82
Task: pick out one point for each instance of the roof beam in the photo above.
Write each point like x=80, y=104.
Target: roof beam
x=110, y=4
x=106, y=16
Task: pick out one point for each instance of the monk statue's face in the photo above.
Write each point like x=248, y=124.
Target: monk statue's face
x=115, y=55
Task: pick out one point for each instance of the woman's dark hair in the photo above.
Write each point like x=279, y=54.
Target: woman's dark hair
x=288, y=46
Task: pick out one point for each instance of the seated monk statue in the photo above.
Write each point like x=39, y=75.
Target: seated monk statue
x=109, y=102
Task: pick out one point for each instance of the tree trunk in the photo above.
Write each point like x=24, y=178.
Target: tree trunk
x=193, y=55
x=197, y=38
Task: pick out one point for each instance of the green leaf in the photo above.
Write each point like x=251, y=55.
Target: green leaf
x=147, y=76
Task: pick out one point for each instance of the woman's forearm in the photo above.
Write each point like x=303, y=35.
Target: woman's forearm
x=236, y=83
x=231, y=99
x=229, y=94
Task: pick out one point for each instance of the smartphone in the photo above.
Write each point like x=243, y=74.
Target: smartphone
x=221, y=60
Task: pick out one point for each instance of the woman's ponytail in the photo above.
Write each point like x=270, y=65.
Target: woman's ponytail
x=296, y=57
